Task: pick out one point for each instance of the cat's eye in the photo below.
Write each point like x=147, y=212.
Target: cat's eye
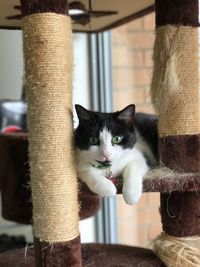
x=117, y=139
x=94, y=141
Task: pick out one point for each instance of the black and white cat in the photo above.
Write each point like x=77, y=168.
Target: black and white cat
x=122, y=143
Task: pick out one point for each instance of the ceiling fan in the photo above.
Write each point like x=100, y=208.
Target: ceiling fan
x=77, y=12
x=84, y=16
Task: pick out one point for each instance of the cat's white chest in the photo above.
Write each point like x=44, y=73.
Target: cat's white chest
x=132, y=167
x=117, y=167
x=132, y=157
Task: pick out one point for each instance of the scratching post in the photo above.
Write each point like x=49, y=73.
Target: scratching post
x=48, y=70
x=175, y=94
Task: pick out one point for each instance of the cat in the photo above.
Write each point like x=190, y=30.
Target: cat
x=122, y=143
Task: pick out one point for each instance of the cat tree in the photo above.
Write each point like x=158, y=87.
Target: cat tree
x=175, y=94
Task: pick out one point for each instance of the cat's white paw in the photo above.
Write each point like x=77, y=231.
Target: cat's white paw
x=131, y=197
x=105, y=188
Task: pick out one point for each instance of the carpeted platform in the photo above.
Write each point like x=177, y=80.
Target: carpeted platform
x=93, y=255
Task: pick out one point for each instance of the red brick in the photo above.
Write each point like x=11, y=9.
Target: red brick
x=153, y=216
x=120, y=55
x=143, y=217
x=148, y=60
x=149, y=21
x=154, y=231
x=146, y=108
x=135, y=25
x=142, y=76
x=135, y=58
x=154, y=200
x=139, y=95
x=143, y=202
x=128, y=235
x=147, y=95
x=126, y=211
x=143, y=236
x=123, y=78
x=141, y=40
x=122, y=98
x=123, y=56
x=120, y=35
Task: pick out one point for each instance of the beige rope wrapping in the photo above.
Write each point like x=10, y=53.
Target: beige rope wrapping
x=178, y=251
x=48, y=62
x=175, y=82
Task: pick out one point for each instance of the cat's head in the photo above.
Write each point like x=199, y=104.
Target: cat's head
x=104, y=137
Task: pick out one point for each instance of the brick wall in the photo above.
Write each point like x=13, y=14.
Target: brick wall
x=132, y=48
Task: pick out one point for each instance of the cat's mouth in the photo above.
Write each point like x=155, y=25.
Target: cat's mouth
x=105, y=163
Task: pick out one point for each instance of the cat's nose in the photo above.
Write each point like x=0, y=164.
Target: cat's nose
x=105, y=157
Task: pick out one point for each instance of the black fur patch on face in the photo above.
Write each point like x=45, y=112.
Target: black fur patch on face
x=118, y=123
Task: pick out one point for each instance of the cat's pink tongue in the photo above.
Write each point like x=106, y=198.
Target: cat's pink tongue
x=113, y=179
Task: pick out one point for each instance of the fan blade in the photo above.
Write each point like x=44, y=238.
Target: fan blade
x=17, y=7
x=81, y=18
x=103, y=13
x=17, y=17
x=92, y=14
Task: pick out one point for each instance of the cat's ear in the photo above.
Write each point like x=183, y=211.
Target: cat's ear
x=82, y=113
x=127, y=114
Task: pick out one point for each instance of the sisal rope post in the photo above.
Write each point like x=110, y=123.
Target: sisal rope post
x=178, y=251
x=175, y=94
x=47, y=38
x=50, y=128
